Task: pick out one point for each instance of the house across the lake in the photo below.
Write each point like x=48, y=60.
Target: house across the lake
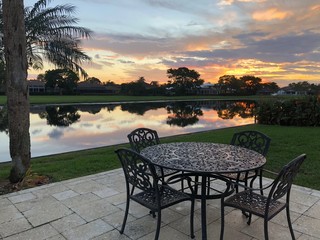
x=39, y=87
x=207, y=89
x=36, y=87
x=290, y=91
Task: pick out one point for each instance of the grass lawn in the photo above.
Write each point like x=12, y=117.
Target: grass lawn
x=286, y=144
x=56, y=99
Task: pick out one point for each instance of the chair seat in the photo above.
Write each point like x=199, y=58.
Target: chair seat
x=168, y=197
x=254, y=203
x=242, y=177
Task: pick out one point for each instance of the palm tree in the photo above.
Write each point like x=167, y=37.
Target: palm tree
x=31, y=35
x=51, y=32
x=52, y=35
x=14, y=39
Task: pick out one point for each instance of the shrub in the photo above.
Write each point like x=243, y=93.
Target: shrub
x=294, y=112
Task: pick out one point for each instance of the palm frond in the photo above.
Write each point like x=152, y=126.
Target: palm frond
x=52, y=32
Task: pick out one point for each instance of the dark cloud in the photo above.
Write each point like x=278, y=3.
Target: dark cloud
x=36, y=131
x=291, y=48
x=55, y=134
x=125, y=61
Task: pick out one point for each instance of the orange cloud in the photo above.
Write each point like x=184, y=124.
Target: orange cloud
x=270, y=14
x=316, y=7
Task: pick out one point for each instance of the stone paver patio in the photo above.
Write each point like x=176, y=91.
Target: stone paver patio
x=92, y=207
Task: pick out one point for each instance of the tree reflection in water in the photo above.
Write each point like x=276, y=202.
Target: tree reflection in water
x=61, y=116
x=4, y=120
x=179, y=113
x=62, y=128
x=182, y=114
x=142, y=108
x=230, y=109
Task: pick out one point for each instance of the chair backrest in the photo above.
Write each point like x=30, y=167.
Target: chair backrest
x=282, y=183
x=137, y=170
x=143, y=137
x=252, y=140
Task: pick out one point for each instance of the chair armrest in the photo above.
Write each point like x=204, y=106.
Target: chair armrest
x=180, y=177
x=250, y=188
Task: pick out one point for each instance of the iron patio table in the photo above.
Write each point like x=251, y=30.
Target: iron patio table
x=204, y=159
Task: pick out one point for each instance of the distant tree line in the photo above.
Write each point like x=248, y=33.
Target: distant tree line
x=245, y=85
x=181, y=81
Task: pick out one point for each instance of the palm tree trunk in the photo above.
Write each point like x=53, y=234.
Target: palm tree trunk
x=16, y=86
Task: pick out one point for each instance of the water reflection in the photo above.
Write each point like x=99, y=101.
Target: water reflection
x=63, y=128
x=62, y=116
x=183, y=114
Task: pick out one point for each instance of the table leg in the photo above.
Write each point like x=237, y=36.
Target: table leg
x=204, y=207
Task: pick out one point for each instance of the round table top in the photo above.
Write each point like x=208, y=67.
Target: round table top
x=203, y=157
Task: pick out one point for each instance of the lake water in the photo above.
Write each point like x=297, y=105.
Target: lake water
x=64, y=128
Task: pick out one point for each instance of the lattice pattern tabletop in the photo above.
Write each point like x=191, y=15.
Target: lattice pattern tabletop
x=204, y=157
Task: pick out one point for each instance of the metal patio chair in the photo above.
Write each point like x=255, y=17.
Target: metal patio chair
x=153, y=195
x=144, y=137
x=255, y=141
x=268, y=206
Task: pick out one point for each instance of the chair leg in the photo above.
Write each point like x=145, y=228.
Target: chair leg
x=132, y=190
x=152, y=213
x=158, y=226
x=192, y=219
x=196, y=180
x=289, y=222
x=125, y=215
x=249, y=216
x=266, y=236
x=182, y=183
x=222, y=219
x=260, y=182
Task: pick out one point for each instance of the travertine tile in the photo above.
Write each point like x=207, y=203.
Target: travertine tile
x=112, y=235
x=70, y=221
x=80, y=200
x=116, y=219
x=45, y=213
x=87, y=187
x=65, y=195
x=307, y=237
x=140, y=227
x=95, y=209
x=22, y=197
x=303, y=198
x=275, y=231
x=213, y=232
x=314, y=211
x=281, y=218
x=117, y=199
x=39, y=233
x=87, y=231
x=13, y=227
x=236, y=220
x=307, y=225
x=9, y=213
x=27, y=205
x=105, y=192
x=167, y=233
x=4, y=202
x=49, y=190
x=92, y=207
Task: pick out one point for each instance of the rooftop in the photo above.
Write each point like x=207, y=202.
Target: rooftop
x=92, y=207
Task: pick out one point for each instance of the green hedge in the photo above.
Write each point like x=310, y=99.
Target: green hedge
x=294, y=112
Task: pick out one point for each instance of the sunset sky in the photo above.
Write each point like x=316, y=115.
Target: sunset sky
x=276, y=40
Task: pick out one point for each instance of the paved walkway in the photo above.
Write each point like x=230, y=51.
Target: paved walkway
x=92, y=207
